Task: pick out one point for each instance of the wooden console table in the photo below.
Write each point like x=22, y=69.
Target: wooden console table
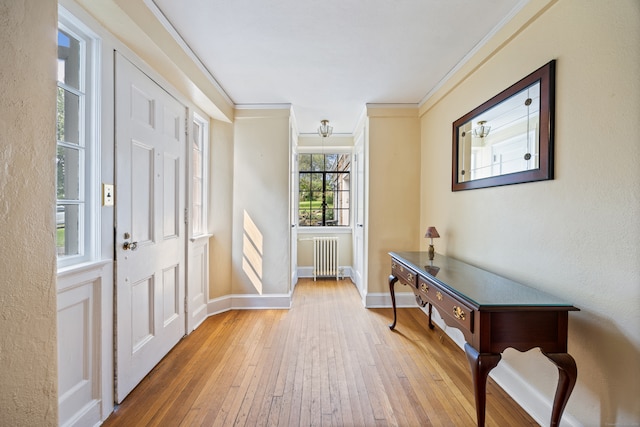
x=493, y=313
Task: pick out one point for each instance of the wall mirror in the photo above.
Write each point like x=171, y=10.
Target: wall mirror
x=509, y=138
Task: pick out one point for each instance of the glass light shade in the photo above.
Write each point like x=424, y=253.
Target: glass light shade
x=325, y=130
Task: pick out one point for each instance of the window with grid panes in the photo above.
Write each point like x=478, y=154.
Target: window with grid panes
x=199, y=151
x=75, y=139
x=324, y=189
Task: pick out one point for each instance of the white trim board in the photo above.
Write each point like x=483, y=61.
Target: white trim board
x=248, y=302
x=307, y=272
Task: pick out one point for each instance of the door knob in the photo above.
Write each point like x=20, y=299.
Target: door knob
x=130, y=246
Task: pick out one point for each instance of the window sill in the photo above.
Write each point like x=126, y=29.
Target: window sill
x=325, y=230
x=200, y=237
x=82, y=267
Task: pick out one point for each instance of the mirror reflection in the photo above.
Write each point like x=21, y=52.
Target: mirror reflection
x=509, y=138
x=502, y=140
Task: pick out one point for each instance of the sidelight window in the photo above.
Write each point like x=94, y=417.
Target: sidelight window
x=199, y=163
x=76, y=140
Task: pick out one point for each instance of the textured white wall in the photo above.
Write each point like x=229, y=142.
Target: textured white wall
x=577, y=235
x=28, y=391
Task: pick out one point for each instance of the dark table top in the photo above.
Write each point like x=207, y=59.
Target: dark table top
x=486, y=290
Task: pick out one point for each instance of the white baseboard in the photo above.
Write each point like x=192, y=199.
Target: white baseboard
x=248, y=302
x=531, y=400
x=383, y=300
x=345, y=271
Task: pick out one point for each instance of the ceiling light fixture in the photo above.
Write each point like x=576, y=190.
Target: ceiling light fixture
x=481, y=130
x=325, y=130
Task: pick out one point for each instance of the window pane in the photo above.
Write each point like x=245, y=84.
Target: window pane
x=341, y=217
x=68, y=229
x=68, y=173
x=304, y=183
x=196, y=138
x=343, y=162
x=331, y=162
x=316, y=183
x=304, y=199
x=68, y=117
x=197, y=163
x=68, y=60
x=304, y=162
x=317, y=162
x=197, y=191
x=304, y=216
x=316, y=217
x=331, y=181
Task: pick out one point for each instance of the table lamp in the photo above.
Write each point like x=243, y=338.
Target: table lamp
x=431, y=234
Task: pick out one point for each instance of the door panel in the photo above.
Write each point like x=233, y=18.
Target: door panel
x=141, y=313
x=170, y=190
x=150, y=233
x=142, y=192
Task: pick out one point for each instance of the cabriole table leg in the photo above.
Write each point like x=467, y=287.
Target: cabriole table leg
x=481, y=365
x=567, y=375
x=392, y=280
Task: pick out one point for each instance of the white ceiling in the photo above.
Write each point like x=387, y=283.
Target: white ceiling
x=330, y=58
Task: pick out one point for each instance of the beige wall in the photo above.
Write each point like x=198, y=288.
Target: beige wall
x=394, y=189
x=332, y=141
x=305, y=248
x=577, y=235
x=28, y=356
x=220, y=208
x=260, y=252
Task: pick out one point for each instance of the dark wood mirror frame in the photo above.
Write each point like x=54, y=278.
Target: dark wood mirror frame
x=546, y=76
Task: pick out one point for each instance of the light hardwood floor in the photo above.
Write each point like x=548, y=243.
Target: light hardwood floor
x=327, y=361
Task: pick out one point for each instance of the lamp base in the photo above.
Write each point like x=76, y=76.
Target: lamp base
x=432, y=252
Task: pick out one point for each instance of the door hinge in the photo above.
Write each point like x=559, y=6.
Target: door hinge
x=185, y=305
x=186, y=215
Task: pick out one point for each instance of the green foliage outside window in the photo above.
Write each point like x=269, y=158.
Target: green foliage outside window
x=323, y=198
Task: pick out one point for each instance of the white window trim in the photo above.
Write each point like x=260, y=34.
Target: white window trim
x=204, y=124
x=90, y=185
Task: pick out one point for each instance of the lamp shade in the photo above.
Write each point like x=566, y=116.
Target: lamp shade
x=431, y=233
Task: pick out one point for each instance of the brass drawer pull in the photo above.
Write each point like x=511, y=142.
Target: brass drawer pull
x=424, y=287
x=439, y=296
x=458, y=313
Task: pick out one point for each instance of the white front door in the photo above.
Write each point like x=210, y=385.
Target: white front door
x=150, y=229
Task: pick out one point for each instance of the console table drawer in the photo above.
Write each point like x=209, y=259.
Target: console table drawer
x=404, y=273
x=449, y=307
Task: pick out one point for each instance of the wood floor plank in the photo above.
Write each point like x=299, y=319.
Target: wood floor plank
x=327, y=361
